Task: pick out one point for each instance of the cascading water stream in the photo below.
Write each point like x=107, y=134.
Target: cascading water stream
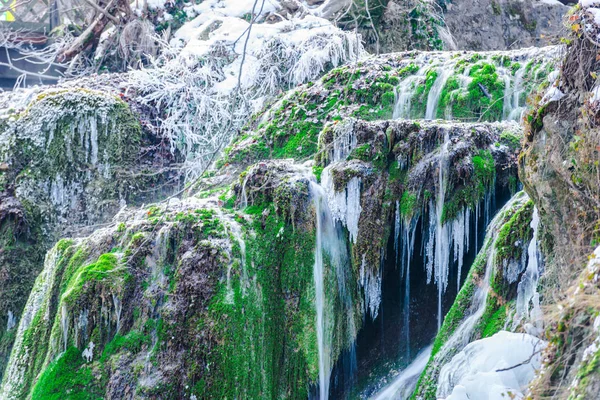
x=318, y=275
x=433, y=97
x=404, y=93
x=404, y=384
x=329, y=241
x=528, y=299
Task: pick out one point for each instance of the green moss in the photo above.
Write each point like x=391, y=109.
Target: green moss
x=410, y=69
x=133, y=342
x=516, y=230
x=482, y=99
x=67, y=378
x=317, y=171
x=408, y=204
x=495, y=323
x=362, y=152
x=511, y=140
x=105, y=271
x=268, y=346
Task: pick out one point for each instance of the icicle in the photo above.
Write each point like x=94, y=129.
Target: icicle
x=12, y=321
x=371, y=284
x=462, y=334
x=397, y=230
x=88, y=353
x=467, y=229
x=345, y=205
x=408, y=244
x=442, y=245
x=93, y=125
x=344, y=141
x=458, y=238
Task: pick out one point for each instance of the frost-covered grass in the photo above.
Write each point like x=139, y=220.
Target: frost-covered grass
x=222, y=66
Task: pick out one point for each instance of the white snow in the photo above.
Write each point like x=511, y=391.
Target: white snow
x=552, y=94
x=476, y=372
x=589, y=3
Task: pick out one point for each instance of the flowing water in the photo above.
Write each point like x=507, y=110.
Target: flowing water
x=403, y=385
x=330, y=242
x=528, y=298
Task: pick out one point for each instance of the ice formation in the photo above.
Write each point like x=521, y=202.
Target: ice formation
x=220, y=68
x=497, y=367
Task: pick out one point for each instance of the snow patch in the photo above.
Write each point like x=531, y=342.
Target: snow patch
x=498, y=367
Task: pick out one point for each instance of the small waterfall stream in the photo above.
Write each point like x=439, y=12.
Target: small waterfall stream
x=433, y=98
x=323, y=330
x=402, y=387
x=330, y=242
x=528, y=298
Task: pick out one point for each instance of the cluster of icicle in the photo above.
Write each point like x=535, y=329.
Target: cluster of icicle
x=404, y=384
x=527, y=309
x=346, y=209
x=446, y=64
x=94, y=120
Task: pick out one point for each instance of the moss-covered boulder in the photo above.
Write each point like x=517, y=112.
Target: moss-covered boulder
x=71, y=159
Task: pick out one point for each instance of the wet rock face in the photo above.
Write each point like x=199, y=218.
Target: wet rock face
x=559, y=169
x=504, y=24
x=557, y=165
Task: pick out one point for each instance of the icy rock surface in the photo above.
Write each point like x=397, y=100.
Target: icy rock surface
x=498, y=367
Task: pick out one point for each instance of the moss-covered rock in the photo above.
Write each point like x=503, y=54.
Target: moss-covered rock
x=72, y=158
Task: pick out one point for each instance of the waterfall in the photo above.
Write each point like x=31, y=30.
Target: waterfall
x=404, y=384
x=442, y=245
x=318, y=275
x=517, y=109
x=404, y=94
x=20, y=357
x=329, y=241
x=528, y=298
x=462, y=334
x=433, y=97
